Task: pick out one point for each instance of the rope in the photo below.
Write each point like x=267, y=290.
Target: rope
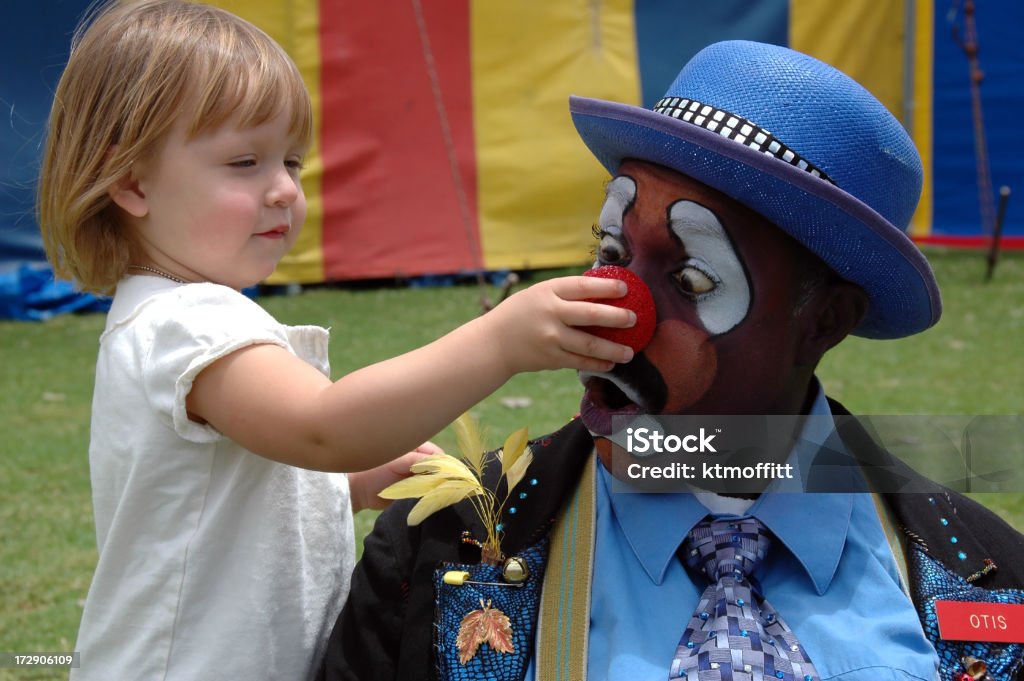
x=970, y=47
x=475, y=248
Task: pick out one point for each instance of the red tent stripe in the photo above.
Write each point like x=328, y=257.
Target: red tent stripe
x=397, y=135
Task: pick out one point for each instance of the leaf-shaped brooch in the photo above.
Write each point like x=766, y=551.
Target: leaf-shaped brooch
x=441, y=480
x=486, y=625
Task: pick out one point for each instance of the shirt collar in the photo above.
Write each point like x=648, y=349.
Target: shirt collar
x=131, y=292
x=786, y=514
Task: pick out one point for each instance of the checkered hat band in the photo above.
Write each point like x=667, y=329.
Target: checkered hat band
x=736, y=128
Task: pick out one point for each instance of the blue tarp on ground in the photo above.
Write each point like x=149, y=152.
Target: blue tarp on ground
x=30, y=293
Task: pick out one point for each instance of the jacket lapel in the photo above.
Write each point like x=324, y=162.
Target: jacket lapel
x=558, y=461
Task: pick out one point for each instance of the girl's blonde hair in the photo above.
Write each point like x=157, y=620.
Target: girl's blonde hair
x=133, y=69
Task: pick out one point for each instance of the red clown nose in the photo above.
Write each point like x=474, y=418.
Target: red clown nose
x=638, y=299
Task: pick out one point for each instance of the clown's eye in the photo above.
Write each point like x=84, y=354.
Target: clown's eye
x=694, y=281
x=610, y=249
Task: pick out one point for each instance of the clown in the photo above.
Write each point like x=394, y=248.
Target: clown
x=763, y=203
x=711, y=331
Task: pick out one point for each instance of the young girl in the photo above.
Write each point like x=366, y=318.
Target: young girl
x=171, y=176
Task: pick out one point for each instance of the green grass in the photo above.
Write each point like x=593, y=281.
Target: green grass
x=969, y=364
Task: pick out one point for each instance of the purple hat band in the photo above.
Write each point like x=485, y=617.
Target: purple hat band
x=839, y=200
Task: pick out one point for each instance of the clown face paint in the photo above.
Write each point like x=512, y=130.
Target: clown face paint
x=723, y=282
x=712, y=272
x=619, y=195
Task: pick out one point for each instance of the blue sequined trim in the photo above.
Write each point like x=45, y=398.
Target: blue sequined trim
x=933, y=582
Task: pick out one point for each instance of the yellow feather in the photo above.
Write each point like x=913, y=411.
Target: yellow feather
x=431, y=463
x=515, y=444
x=451, y=492
x=412, y=487
x=444, y=466
x=518, y=469
x=471, y=444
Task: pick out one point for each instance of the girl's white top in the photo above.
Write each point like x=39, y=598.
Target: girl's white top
x=214, y=563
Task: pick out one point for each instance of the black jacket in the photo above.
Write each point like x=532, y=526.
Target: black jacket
x=386, y=628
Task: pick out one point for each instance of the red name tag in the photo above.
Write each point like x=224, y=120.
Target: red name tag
x=970, y=621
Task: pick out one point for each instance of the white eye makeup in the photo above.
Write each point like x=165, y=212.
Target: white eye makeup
x=712, y=273
x=619, y=196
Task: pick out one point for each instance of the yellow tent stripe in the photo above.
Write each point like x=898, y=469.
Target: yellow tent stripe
x=922, y=111
x=824, y=30
x=527, y=58
x=294, y=24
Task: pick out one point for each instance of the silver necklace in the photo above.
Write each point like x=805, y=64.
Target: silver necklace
x=159, y=273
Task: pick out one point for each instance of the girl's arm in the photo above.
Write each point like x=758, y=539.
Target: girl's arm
x=276, y=405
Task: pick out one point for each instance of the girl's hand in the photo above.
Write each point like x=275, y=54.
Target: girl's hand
x=364, y=485
x=536, y=328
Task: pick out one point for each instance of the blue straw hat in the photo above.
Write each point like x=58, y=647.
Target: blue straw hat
x=802, y=144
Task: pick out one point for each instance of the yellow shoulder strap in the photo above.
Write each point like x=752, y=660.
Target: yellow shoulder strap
x=897, y=540
x=563, y=626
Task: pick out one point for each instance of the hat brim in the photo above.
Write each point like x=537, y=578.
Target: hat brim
x=851, y=237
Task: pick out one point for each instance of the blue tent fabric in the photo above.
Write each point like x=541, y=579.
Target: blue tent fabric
x=668, y=34
x=956, y=203
x=34, y=46
x=34, y=42
x=32, y=294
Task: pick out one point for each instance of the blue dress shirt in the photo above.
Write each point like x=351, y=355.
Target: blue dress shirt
x=831, y=576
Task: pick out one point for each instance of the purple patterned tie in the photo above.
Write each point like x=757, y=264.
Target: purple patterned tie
x=735, y=634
